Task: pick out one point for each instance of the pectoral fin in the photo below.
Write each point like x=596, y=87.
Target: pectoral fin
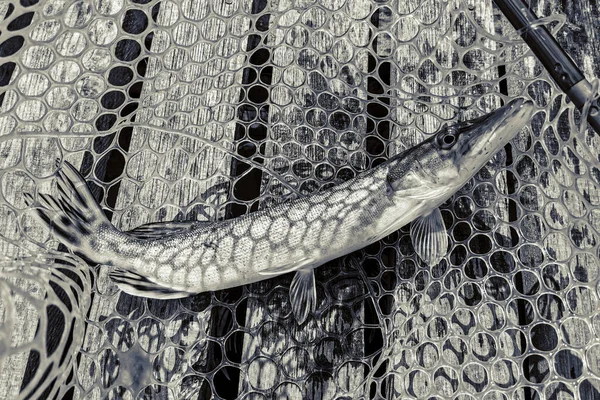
x=429, y=237
x=303, y=294
x=139, y=285
x=158, y=230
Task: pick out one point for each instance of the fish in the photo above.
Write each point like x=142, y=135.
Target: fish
x=181, y=258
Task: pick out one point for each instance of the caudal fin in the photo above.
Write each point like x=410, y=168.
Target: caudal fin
x=73, y=215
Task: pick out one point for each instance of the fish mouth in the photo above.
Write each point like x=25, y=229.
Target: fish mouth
x=483, y=137
x=511, y=118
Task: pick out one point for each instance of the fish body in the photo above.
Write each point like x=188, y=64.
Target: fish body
x=308, y=231
x=178, y=259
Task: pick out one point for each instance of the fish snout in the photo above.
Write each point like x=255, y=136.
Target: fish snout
x=486, y=135
x=521, y=105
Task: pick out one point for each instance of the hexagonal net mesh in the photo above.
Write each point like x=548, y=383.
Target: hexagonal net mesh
x=209, y=109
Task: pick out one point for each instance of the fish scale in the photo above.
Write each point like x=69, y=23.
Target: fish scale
x=178, y=259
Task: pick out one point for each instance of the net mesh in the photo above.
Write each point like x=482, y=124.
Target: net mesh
x=209, y=109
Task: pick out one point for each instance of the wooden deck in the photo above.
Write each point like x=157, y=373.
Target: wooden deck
x=243, y=94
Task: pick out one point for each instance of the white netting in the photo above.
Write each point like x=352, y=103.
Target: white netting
x=208, y=109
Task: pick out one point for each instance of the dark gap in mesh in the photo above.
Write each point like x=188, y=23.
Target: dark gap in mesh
x=33, y=363
x=48, y=390
x=129, y=109
x=28, y=3
x=376, y=144
x=260, y=56
x=9, y=10
x=384, y=130
x=236, y=209
x=55, y=329
x=246, y=188
x=373, y=390
x=258, y=6
x=111, y=196
x=148, y=41
x=112, y=165
x=125, y=138
x=11, y=45
x=20, y=22
x=69, y=379
x=104, y=122
x=120, y=75
x=155, y=10
x=56, y=324
x=135, y=21
x=86, y=166
x=102, y=143
x=127, y=50
x=512, y=186
x=226, y=388
x=70, y=394
x=113, y=99
x=72, y=275
x=135, y=91
x=68, y=343
x=266, y=77
x=262, y=22
x=588, y=391
x=142, y=65
x=503, y=83
x=61, y=294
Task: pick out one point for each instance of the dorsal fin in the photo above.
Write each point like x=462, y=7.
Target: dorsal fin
x=158, y=230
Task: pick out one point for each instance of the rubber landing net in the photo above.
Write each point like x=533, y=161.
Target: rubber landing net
x=209, y=109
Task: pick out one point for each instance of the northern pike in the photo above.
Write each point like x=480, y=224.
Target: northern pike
x=178, y=259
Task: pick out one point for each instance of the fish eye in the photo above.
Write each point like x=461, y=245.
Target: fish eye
x=447, y=139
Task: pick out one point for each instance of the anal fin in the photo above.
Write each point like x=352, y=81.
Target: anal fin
x=303, y=294
x=429, y=237
x=138, y=285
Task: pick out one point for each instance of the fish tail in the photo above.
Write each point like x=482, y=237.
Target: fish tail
x=73, y=215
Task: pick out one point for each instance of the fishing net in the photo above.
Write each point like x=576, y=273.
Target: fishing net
x=209, y=109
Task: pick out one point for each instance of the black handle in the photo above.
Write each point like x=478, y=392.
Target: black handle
x=558, y=64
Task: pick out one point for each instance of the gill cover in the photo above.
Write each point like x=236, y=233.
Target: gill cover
x=422, y=172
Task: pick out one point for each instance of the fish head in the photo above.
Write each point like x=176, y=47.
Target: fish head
x=465, y=147
x=448, y=159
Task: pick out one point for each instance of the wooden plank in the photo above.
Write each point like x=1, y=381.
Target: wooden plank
x=261, y=373
x=285, y=42
x=579, y=38
x=25, y=167
x=170, y=176
x=430, y=95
